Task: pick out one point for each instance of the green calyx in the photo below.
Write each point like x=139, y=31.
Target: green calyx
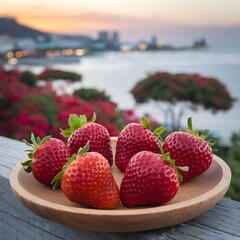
x=157, y=132
x=36, y=142
x=205, y=133
x=57, y=179
x=75, y=122
x=145, y=123
x=166, y=156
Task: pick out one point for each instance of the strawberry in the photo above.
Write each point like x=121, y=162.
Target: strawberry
x=188, y=148
x=46, y=158
x=81, y=131
x=134, y=138
x=149, y=179
x=88, y=180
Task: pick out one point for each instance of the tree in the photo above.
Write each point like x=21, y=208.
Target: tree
x=184, y=91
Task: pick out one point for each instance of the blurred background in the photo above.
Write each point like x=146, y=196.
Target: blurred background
x=167, y=60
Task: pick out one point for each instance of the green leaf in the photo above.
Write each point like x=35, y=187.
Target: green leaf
x=38, y=139
x=189, y=122
x=93, y=118
x=204, y=134
x=184, y=168
x=33, y=139
x=196, y=133
x=67, y=132
x=83, y=119
x=211, y=142
x=45, y=139
x=28, y=169
x=180, y=177
x=159, y=131
x=26, y=163
x=27, y=166
x=72, y=158
x=56, y=185
x=84, y=149
x=145, y=122
x=57, y=179
x=74, y=121
x=26, y=142
x=30, y=155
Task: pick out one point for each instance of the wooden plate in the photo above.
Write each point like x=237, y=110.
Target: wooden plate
x=192, y=199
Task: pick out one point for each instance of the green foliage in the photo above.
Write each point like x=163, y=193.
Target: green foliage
x=90, y=94
x=28, y=78
x=234, y=163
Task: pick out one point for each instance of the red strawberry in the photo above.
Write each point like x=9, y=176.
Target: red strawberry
x=46, y=159
x=81, y=131
x=88, y=180
x=133, y=139
x=190, y=149
x=149, y=180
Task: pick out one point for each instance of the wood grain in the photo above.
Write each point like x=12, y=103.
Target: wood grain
x=192, y=199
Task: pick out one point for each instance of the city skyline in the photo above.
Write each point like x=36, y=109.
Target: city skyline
x=133, y=20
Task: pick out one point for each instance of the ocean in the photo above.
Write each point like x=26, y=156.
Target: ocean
x=116, y=73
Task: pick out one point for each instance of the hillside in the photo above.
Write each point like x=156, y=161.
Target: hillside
x=10, y=27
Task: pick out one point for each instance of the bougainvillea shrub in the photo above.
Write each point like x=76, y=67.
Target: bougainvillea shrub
x=26, y=108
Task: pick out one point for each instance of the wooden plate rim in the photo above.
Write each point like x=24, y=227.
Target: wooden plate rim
x=219, y=189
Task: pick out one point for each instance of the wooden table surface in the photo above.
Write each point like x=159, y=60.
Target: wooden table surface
x=17, y=222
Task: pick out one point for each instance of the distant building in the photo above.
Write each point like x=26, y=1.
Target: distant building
x=153, y=45
x=103, y=38
x=109, y=40
x=200, y=43
x=115, y=42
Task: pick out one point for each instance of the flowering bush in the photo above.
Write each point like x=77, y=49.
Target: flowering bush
x=38, y=109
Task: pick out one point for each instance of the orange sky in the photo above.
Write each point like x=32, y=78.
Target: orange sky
x=136, y=15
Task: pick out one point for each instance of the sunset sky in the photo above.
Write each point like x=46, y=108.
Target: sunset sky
x=132, y=18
